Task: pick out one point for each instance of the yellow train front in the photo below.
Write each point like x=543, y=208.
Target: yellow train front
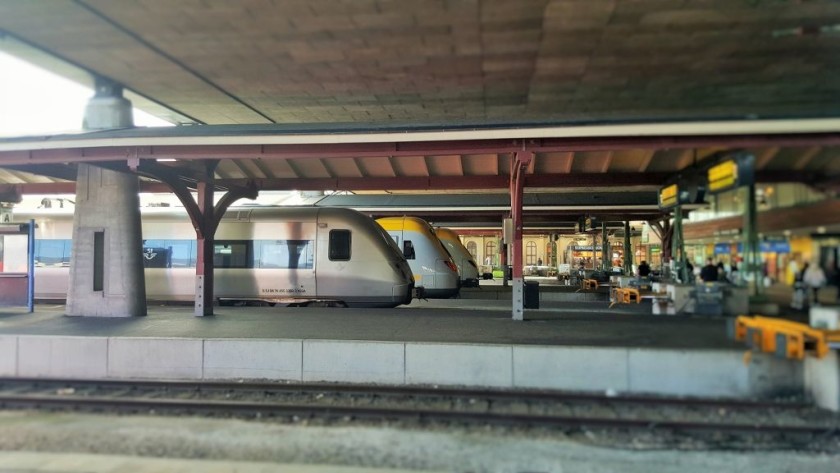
x=432, y=265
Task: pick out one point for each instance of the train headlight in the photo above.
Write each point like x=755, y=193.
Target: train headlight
x=451, y=266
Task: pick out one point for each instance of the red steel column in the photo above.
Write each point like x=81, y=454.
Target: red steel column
x=521, y=161
x=204, y=261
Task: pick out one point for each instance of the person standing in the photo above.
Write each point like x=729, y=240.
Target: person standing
x=814, y=278
x=644, y=269
x=709, y=273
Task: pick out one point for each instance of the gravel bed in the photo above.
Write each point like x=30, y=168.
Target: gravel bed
x=607, y=408
x=432, y=448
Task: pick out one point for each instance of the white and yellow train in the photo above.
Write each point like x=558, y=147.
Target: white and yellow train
x=431, y=263
x=467, y=267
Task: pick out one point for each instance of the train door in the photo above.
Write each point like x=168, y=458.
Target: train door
x=337, y=262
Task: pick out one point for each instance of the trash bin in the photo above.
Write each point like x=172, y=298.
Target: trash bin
x=532, y=294
x=509, y=271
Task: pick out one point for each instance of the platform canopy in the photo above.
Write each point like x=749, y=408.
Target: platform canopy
x=345, y=94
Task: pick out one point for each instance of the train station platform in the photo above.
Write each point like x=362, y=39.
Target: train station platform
x=564, y=345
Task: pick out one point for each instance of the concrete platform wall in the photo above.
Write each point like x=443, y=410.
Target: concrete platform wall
x=672, y=372
x=822, y=381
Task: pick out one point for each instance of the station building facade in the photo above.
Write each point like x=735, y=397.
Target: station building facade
x=796, y=224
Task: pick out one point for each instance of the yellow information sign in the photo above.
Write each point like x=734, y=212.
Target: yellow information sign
x=723, y=176
x=668, y=196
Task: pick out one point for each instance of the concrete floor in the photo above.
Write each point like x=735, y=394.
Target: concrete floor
x=452, y=321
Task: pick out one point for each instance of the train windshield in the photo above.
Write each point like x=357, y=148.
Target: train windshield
x=389, y=242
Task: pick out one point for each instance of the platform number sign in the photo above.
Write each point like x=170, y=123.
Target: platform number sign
x=731, y=173
x=677, y=194
x=668, y=196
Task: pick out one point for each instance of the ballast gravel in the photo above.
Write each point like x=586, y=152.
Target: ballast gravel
x=447, y=449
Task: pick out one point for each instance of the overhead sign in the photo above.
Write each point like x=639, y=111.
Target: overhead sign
x=668, y=196
x=587, y=224
x=723, y=176
x=732, y=173
x=680, y=193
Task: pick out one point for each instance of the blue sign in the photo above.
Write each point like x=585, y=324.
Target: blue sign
x=723, y=248
x=767, y=247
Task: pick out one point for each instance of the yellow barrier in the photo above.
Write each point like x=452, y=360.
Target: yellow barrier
x=784, y=338
x=625, y=295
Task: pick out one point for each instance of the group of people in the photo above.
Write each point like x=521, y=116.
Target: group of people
x=712, y=272
x=807, y=281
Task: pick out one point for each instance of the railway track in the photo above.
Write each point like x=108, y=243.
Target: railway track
x=794, y=424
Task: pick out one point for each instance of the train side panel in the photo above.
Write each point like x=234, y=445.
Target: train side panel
x=260, y=254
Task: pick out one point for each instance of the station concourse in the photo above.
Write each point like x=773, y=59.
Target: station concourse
x=566, y=144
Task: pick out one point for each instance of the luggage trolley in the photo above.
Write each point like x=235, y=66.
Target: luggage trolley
x=17, y=275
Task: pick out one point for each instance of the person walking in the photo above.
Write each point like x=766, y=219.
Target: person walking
x=800, y=290
x=709, y=273
x=814, y=278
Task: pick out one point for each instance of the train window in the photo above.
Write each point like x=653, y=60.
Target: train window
x=157, y=257
x=155, y=254
x=408, y=249
x=182, y=253
x=52, y=252
x=339, y=245
x=232, y=254
x=290, y=254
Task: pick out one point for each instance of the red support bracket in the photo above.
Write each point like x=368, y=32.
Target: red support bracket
x=520, y=164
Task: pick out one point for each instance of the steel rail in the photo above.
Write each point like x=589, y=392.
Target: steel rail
x=492, y=394
x=308, y=410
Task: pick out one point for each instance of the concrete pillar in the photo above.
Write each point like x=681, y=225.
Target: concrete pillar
x=106, y=271
x=108, y=109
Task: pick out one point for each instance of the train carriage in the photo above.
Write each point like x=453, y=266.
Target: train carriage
x=296, y=255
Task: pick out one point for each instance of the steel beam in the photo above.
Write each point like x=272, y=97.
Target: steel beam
x=520, y=164
x=82, y=150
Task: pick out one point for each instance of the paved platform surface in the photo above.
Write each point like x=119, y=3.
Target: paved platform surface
x=36, y=462
x=449, y=321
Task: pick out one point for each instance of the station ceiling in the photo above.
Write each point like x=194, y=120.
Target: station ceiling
x=444, y=61
x=372, y=66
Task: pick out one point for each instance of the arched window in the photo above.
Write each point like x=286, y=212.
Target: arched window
x=471, y=247
x=531, y=253
x=490, y=252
